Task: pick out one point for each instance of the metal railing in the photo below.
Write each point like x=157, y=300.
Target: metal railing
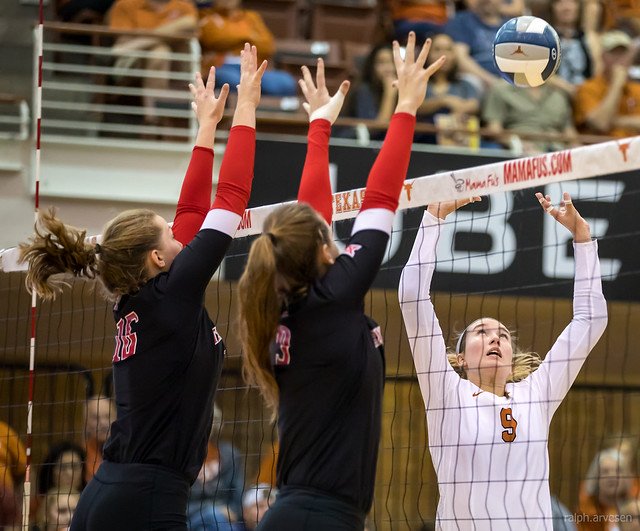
x=92, y=89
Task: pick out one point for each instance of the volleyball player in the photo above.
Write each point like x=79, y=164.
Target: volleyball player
x=168, y=354
x=488, y=413
x=307, y=342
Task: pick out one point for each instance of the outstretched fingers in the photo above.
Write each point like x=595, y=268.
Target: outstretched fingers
x=320, y=80
x=424, y=53
x=211, y=80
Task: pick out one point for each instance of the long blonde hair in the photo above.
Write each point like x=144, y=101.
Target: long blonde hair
x=282, y=263
x=522, y=364
x=119, y=261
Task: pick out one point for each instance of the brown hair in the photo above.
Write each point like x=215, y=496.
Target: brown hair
x=282, y=263
x=121, y=265
x=522, y=364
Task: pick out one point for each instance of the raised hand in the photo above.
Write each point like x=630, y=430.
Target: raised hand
x=443, y=209
x=320, y=104
x=250, y=76
x=412, y=76
x=567, y=216
x=208, y=108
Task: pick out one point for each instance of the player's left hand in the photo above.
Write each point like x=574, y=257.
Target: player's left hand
x=208, y=108
x=567, y=215
x=320, y=104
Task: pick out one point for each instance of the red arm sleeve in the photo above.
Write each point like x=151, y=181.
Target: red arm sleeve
x=390, y=168
x=236, y=172
x=315, y=185
x=195, y=195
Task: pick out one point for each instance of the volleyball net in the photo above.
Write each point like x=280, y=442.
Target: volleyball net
x=502, y=257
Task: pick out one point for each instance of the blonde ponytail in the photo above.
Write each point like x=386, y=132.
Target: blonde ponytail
x=260, y=309
x=282, y=264
x=56, y=248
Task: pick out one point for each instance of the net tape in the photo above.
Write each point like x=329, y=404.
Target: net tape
x=611, y=157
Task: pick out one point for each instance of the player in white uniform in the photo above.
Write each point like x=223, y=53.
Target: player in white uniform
x=488, y=432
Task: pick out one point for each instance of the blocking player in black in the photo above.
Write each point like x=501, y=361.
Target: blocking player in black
x=308, y=344
x=168, y=354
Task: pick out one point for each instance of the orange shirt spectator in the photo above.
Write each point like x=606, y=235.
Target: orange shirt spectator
x=99, y=413
x=425, y=17
x=148, y=14
x=225, y=30
x=610, y=103
x=433, y=10
x=13, y=462
x=607, y=487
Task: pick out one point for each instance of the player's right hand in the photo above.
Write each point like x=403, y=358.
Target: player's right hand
x=412, y=75
x=443, y=209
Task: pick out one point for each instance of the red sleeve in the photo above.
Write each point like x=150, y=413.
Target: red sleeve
x=390, y=168
x=236, y=172
x=315, y=185
x=195, y=196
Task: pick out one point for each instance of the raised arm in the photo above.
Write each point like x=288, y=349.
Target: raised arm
x=195, y=195
x=323, y=110
x=435, y=374
x=562, y=363
x=194, y=266
x=357, y=267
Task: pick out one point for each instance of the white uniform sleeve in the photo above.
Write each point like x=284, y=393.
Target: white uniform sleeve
x=563, y=362
x=435, y=374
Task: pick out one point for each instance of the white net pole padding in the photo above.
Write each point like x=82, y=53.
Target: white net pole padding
x=606, y=158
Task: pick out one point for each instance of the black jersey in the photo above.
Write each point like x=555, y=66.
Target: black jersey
x=167, y=363
x=330, y=375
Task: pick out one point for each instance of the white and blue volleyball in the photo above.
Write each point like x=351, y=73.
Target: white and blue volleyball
x=526, y=51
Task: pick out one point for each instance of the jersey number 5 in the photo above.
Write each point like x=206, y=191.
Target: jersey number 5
x=508, y=422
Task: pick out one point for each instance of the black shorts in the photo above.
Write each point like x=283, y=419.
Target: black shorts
x=302, y=509
x=133, y=497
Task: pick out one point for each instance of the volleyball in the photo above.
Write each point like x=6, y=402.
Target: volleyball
x=526, y=51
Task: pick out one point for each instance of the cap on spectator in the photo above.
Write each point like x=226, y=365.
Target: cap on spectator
x=258, y=493
x=614, y=39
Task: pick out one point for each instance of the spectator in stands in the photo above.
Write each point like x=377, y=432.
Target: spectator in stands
x=13, y=460
x=216, y=496
x=607, y=488
x=562, y=518
x=622, y=14
x=83, y=11
x=267, y=471
x=224, y=28
x=62, y=469
x=100, y=412
x=581, y=55
x=609, y=103
x=424, y=17
x=57, y=510
x=374, y=97
x=473, y=32
x=163, y=17
x=631, y=513
x=509, y=110
x=256, y=501
x=510, y=8
x=447, y=94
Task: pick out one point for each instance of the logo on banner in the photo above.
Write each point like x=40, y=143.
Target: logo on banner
x=541, y=167
x=624, y=147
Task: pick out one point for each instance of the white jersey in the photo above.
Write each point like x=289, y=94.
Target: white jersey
x=490, y=452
